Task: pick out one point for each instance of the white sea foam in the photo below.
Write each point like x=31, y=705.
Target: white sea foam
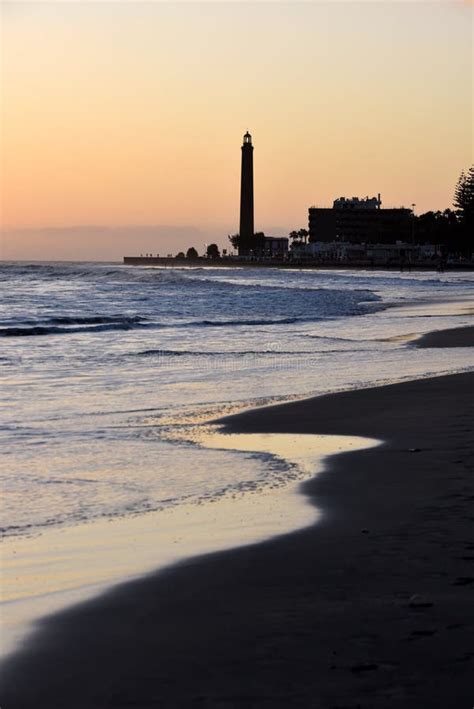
x=103, y=364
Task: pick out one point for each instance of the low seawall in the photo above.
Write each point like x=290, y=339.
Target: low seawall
x=170, y=262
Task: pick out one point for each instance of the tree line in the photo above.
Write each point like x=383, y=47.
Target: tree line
x=454, y=228
x=212, y=251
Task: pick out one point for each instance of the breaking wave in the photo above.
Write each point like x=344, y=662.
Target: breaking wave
x=231, y=353
x=74, y=325
x=71, y=325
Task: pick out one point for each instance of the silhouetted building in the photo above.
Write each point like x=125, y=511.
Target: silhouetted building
x=360, y=221
x=246, y=190
x=397, y=253
x=356, y=203
x=275, y=246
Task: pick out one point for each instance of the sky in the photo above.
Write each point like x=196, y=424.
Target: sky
x=122, y=121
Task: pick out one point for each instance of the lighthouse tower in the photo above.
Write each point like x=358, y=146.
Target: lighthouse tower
x=246, y=192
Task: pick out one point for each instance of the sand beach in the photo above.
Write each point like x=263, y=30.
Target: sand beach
x=455, y=337
x=369, y=607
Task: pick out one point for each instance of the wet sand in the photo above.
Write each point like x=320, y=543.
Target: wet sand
x=46, y=573
x=456, y=337
x=371, y=607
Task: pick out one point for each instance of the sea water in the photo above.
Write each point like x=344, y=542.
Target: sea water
x=107, y=370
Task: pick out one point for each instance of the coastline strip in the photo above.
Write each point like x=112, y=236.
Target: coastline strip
x=371, y=606
x=455, y=337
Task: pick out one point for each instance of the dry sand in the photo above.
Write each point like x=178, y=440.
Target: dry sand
x=371, y=607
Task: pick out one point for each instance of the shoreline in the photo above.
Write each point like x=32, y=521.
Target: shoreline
x=371, y=606
x=455, y=337
x=305, y=264
x=79, y=568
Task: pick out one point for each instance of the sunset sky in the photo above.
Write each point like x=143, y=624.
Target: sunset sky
x=130, y=115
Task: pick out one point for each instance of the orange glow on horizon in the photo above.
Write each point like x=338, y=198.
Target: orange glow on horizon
x=120, y=114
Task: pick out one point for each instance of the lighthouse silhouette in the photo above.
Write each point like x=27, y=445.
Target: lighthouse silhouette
x=246, y=193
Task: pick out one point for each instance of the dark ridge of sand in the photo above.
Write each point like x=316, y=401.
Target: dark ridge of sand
x=455, y=337
x=372, y=607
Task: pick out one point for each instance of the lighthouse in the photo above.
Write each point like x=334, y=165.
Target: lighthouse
x=246, y=192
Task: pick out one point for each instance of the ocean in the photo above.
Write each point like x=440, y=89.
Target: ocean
x=108, y=371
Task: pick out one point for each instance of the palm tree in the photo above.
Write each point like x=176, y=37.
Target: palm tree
x=304, y=233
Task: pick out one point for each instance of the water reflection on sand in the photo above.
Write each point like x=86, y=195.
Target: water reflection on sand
x=45, y=573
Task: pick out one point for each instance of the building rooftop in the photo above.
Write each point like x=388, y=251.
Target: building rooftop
x=356, y=203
